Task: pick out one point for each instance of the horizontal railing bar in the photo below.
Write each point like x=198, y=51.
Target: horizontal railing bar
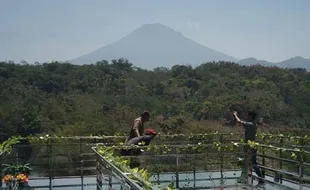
x=279, y=171
x=201, y=179
x=87, y=161
x=284, y=179
x=77, y=169
x=275, y=183
x=69, y=185
x=184, y=155
x=204, y=146
x=88, y=154
x=277, y=158
x=224, y=153
x=213, y=187
x=62, y=168
x=159, y=135
x=61, y=163
x=61, y=177
x=199, y=171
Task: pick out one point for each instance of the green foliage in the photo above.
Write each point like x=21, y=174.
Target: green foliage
x=104, y=98
x=137, y=174
x=6, y=146
x=15, y=169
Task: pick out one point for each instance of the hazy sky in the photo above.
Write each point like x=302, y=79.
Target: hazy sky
x=45, y=30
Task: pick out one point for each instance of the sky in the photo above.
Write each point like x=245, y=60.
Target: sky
x=50, y=30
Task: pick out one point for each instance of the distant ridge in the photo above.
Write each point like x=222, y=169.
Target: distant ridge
x=295, y=62
x=154, y=45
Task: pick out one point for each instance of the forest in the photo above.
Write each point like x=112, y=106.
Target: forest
x=104, y=98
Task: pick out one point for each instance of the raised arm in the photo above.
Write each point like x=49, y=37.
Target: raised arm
x=237, y=118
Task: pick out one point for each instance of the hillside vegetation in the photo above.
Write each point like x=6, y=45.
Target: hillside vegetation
x=103, y=98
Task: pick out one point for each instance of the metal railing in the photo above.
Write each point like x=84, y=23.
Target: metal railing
x=277, y=168
x=107, y=169
x=74, y=158
x=53, y=160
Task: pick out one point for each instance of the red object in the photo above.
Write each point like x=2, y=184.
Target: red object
x=221, y=188
x=150, y=131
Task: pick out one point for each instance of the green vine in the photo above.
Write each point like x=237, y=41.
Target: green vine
x=266, y=137
x=197, y=142
x=6, y=146
x=217, y=147
x=136, y=174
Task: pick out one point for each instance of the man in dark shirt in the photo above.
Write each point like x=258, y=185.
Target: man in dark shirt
x=250, y=129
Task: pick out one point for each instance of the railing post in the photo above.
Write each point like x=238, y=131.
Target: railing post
x=1, y=176
x=301, y=162
x=194, y=172
x=281, y=163
x=81, y=160
x=110, y=180
x=249, y=168
x=99, y=174
x=49, y=155
x=177, y=170
x=263, y=162
x=221, y=160
x=16, y=154
x=300, y=171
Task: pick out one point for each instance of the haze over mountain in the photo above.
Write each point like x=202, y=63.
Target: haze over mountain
x=154, y=45
x=295, y=62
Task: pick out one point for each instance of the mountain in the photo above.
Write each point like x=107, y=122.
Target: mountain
x=295, y=62
x=253, y=61
x=154, y=45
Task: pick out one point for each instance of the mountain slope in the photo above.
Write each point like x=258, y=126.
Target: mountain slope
x=154, y=45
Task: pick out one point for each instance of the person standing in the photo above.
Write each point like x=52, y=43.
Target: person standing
x=250, y=129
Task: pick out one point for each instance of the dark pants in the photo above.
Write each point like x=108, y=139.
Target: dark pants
x=254, y=165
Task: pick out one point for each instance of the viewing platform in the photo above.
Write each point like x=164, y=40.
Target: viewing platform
x=204, y=161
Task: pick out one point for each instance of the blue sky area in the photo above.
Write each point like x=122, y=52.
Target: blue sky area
x=46, y=30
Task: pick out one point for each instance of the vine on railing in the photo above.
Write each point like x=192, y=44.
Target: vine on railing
x=200, y=140
x=265, y=137
x=218, y=146
x=136, y=174
x=6, y=146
